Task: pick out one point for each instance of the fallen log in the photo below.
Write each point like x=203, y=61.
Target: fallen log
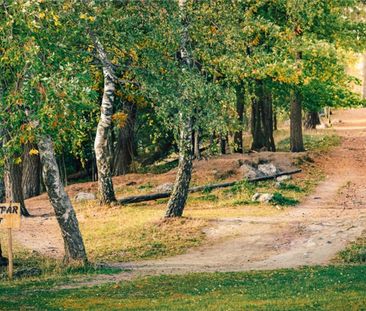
x=162, y=195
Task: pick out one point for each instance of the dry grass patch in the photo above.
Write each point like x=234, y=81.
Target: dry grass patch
x=133, y=233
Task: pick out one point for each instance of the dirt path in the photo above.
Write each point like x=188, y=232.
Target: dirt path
x=310, y=234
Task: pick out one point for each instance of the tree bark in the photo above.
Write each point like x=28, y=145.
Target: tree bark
x=238, y=136
x=60, y=201
x=262, y=120
x=31, y=179
x=223, y=143
x=2, y=190
x=196, y=145
x=13, y=184
x=179, y=194
x=125, y=147
x=296, y=138
x=364, y=77
x=275, y=125
x=103, y=158
x=312, y=120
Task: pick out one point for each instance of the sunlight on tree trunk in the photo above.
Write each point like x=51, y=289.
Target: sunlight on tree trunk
x=102, y=155
x=65, y=213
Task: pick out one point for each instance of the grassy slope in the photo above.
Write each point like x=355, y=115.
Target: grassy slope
x=319, y=288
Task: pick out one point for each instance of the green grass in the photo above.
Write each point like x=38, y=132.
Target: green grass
x=318, y=288
x=281, y=200
x=313, y=142
x=355, y=251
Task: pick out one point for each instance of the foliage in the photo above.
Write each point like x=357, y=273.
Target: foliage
x=279, y=199
x=355, y=251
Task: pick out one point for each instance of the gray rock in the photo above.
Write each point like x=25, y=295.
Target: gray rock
x=267, y=169
x=262, y=197
x=85, y=196
x=167, y=187
x=283, y=178
x=249, y=171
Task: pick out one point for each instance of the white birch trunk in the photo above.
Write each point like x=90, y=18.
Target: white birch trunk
x=180, y=191
x=60, y=201
x=103, y=158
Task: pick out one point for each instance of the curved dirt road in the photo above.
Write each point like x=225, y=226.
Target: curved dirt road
x=310, y=234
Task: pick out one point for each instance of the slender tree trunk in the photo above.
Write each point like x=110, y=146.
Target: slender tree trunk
x=103, y=160
x=125, y=148
x=2, y=190
x=196, y=144
x=31, y=179
x=312, y=120
x=267, y=120
x=364, y=77
x=179, y=194
x=238, y=136
x=296, y=138
x=262, y=119
x=223, y=143
x=275, y=125
x=65, y=213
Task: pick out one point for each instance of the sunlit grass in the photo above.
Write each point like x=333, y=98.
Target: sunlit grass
x=317, y=288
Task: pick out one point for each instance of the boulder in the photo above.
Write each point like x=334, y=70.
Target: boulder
x=267, y=169
x=167, y=187
x=248, y=171
x=262, y=197
x=85, y=196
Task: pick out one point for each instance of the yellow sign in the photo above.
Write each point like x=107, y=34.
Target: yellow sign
x=10, y=215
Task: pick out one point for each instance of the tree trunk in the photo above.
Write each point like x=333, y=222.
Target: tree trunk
x=103, y=160
x=13, y=184
x=364, y=77
x=238, y=136
x=2, y=190
x=262, y=120
x=296, y=139
x=31, y=181
x=312, y=120
x=196, y=145
x=275, y=125
x=223, y=144
x=60, y=201
x=179, y=194
x=124, y=151
x=267, y=120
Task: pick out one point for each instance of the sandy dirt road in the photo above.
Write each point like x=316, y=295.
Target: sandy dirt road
x=309, y=234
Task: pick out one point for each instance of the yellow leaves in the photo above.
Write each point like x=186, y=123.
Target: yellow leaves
x=134, y=55
x=213, y=30
x=255, y=41
x=56, y=19
x=18, y=160
x=86, y=17
x=33, y=152
x=42, y=15
x=120, y=118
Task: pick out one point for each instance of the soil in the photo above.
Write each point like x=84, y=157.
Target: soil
x=309, y=234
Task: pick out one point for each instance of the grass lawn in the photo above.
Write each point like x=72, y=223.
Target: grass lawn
x=318, y=288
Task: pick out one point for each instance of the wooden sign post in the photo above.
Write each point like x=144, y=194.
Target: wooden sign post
x=10, y=219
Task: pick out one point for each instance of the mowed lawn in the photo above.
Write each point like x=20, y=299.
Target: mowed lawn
x=318, y=288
